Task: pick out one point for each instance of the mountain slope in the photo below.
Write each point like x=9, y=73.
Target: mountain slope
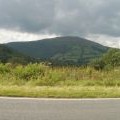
x=61, y=50
x=9, y=55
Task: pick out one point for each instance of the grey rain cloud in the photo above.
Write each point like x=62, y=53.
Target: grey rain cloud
x=62, y=17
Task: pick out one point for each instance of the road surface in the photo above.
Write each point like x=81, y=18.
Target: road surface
x=51, y=109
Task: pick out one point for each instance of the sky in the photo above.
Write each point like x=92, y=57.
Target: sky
x=26, y=20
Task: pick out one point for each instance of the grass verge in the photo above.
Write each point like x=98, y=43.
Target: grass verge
x=60, y=92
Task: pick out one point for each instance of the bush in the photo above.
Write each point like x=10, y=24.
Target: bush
x=4, y=69
x=98, y=64
x=108, y=61
x=30, y=71
x=112, y=57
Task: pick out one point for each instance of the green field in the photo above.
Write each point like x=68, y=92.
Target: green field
x=39, y=80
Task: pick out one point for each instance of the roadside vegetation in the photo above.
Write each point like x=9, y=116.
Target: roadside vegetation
x=101, y=78
x=39, y=80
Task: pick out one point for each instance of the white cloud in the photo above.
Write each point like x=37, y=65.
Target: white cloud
x=105, y=40
x=14, y=36
x=11, y=36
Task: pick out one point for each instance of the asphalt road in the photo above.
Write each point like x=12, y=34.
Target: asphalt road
x=51, y=109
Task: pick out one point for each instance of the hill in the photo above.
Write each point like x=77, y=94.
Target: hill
x=7, y=54
x=61, y=50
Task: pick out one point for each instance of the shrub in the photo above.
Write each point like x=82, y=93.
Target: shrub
x=31, y=71
x=98, y=64
x=4, y=69
x=108, y=61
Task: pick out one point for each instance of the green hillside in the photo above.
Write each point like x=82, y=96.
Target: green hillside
x=8, y=55
x=61, y=50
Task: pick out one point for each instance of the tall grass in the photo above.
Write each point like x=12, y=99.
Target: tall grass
x=39, y=80
x=42, y=75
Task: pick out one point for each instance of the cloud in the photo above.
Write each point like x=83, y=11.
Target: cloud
x=105, y=40
x=12, y=36
x=28, y=15
x=61, y=17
